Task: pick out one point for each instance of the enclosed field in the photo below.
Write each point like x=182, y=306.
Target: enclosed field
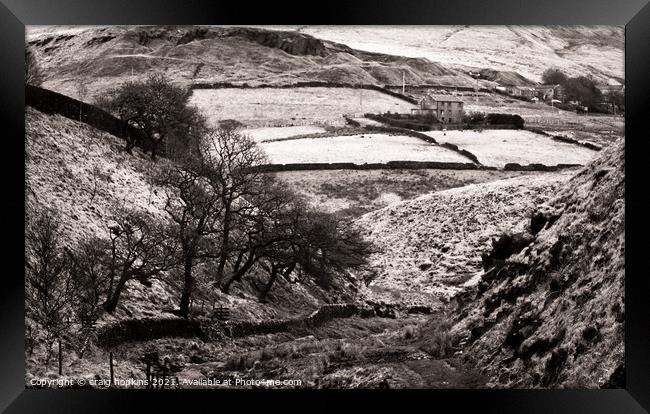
x=274, y=133
x=499, y=147
x=358, y=149
x=296, y=106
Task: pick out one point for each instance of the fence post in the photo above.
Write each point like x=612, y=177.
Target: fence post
x=148, y=373
x=110, y=360
x=60, y=359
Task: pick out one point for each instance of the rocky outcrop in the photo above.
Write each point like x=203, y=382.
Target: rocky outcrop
x=291, y=42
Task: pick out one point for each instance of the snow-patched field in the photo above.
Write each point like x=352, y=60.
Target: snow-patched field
x=358, y=149
x=297, y=106
x=501, y=146
x=273, y=133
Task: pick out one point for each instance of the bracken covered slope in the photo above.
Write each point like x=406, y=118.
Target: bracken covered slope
x=553, y=314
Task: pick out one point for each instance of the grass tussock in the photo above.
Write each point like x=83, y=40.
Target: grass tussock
x=329, y=351
x=434, y=338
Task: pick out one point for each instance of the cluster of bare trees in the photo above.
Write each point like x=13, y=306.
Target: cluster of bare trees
x=224, y=216
x=224, y=222
x=49, y=282
x=240, y=221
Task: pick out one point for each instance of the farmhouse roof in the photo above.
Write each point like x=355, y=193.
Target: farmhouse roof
x=445, y=98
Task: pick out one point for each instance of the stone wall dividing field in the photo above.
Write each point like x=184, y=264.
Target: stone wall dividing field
x=130, y=330
x=305, y=84
x=51, y=102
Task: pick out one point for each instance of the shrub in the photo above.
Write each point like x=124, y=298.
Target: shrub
x=436, y=338
x=474, y=118
x=408, y=332
x=554, y=76
x=505, y=119
x=414, y=122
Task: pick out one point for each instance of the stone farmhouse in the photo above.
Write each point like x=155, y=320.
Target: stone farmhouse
x=448, y=109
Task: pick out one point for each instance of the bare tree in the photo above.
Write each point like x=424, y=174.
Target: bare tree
x=90, y=283
x=48, y=282
x=229, y=213
x=161, y=111
x=89, y=277
x=270, y=225
x=280, y=255
x=332, y=245
x=229, y=160
x=194, y=207
x=139, y=248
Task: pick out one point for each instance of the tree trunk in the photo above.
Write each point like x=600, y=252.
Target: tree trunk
x=129, y=145
x=269, y=284
x=111, y=301
x=60, y=358
x=223, y=257
x=184, y=310
x=239, y=273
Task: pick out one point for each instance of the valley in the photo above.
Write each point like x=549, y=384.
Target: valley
x=438, y=304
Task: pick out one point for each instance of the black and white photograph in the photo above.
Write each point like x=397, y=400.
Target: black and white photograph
x=325, y=207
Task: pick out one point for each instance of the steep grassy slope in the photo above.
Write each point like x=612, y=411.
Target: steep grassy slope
x=526, y=50
x=102, y=56
x=432, y=244
x=85, y=176
x=553, y=315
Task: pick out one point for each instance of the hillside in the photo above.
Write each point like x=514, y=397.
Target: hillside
x=553, y=315
x=433, y=244
x=85, y=176
x=526, y=50
x=516, y=271
x=101, y=56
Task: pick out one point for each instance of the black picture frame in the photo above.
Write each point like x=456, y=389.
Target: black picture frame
x=634, y=14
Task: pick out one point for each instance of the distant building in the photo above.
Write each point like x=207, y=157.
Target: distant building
x=448, y=109
x=521, y=91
